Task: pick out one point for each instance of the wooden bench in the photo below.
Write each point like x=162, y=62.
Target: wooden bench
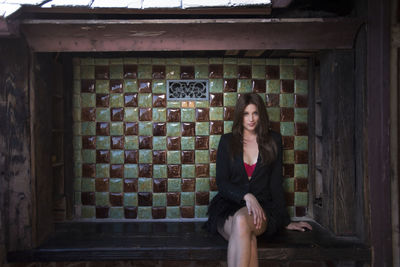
x=186, y=241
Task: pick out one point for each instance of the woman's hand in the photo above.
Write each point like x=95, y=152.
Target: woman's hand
x=299, y=226
x=254, y=209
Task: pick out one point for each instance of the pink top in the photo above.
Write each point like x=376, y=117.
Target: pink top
x=250, y=168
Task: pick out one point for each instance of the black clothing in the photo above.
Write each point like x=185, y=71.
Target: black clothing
x=233, y=183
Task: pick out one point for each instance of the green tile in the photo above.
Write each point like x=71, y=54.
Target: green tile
x=130, y=199
x=286, y=61
x=116, y=185
x=77, y=86
x=159, y=114
x=145, y=100
x=286, y=72
x=130, y=60
x=102, y=86
x=228, y=126
x=78, y=169
x=102, y=170
x=213, y=194
x=200, y=211
x=258, y=71
x=202, y=184
x=188, y=115
x=131, y=171
x=88, y=128
x=144, y=213
x=258, y=61
x=216, y=60
x=290, y=210
x=144, y=71
x=116, y=61
x=88, y=185
x=116, y=100
x=102, y=114
x=89, y=156
x=87, y=72
x=301, y=87
x=230, y=71
x=300, y=199
x=159, y=171
x=77, y=184
x=88, y=100
x=202, y=104
x=173, y=61
x=116, y=213
x=174, y=185
x=173, y=129
x=273, y=87
x=214, y=141
x=173, y=72
x=159, y=86
x=173, y=213
x=76, y=114
x=212, y=169
x=216, y=113
x=159, y=199
x=78, y=156
x=201, y=71
x=201, y=60
x=87, y=61
x=244, y=61
x=188, y=171
x=173, y=104
x=102, y=198
x=77, y=142
x=131, y=114
x=116, y=72
x=300, y=61
x=202, y=128
x=173, y=157
x=88, y=212
x=159, y=143
x=202, y=156
x=101, y=61
x=274, y=114
x=130, y=86
x=145, y=156
x=288, y=156
x=158, y=61
x=300, y=114
x=102, y=142
x=301, y=170
x=188, y=61
x=76, y=100
x=230, y=60
x=131, y=142
x=287, y=128
x=288, y=185
x=272, y=61
x=116, y=128
x=145, y=185
x=301, y=143
x=286, y=100
x=187, y=142
x=145, y=128
x=244, y=86
x=187, y=198
x=216, y=85
x=230, y=99
x=77, y=199
x=144, y=60
x=117, y=156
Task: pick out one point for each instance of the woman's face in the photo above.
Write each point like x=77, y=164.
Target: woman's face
x=250, y=118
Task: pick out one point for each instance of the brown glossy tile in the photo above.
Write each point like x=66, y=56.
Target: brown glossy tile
x=102, y=156
x=131, y=156
x=130, y=71
x=288, y=170
x=159, y=156
x=213, y=184
x=228, y=113
x=102, y=185
x=102, y=128
x=301, y=128
x=144, y=86
x=202, y=170
x=145, y=142
x=88, y=114
x=188, y=185
x=117, y=142
x=216, y=100
x=300, y=101
x=159, y=100
x=88, y=170
x=230, y=85
x=102, y=100
x=272, y=100
x=145, y=198
x=287, y=114
x=158, y=72
x=173, y=199
x=188, y=128
x=117, y=171
x=213, y=155
x=300, y=185
x=88, y=198
x=131, y=128
x=102, y=212
x=275, y=126
x=216, y=127
x=89, y=142
x=288, y=142
x=174, y=170
x=159, y=185
x=187, y=212
x=201, y=142
x=272, y=72
x=131, y=100
x=116, y=199
x=244, y=72
x=173, y=114
x=187, y=156
x=117, y=114
x=301, y=211
x=258, y=86
x=130, y=212
x=146, y=170
x=145, y=114
x=159, y=129
x=202, y=198
x=187, y=72
x=116, y=86
x=102, y=72
x=202, y=114
x=301, y=157
x=159, y=212
x=215, y=71
x=287, y=86
x=300, y=73
x=88, y=86
x=289, y=197
x=130, y=185
x=173, y=143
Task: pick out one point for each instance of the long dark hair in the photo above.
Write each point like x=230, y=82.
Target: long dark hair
x=266, y=145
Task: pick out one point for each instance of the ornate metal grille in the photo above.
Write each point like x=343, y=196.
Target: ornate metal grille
x=187, y=90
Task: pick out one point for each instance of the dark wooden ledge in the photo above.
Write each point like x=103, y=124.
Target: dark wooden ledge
x=180, y=241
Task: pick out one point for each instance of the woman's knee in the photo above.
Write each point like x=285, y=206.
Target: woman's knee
x=240, y=223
